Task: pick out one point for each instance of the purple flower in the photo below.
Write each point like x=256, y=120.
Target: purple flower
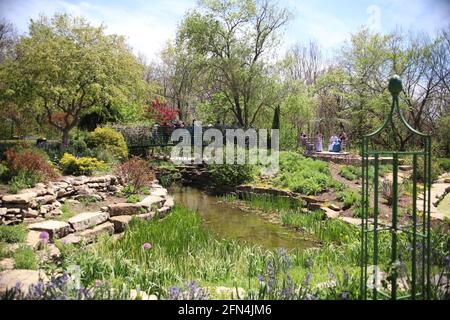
x=98, y=283
x=146, y=246
x=44, y=236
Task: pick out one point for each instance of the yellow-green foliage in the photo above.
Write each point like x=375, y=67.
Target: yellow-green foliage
x=78, y=166
x=109, y=139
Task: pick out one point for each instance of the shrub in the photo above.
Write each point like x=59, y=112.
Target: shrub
x=349, y=197
x=387, y=191
x=3, y=172
x=31, y=165
x=444, y=164
x=303, y=175
x=110, y=140
x=12, y=234
x=80, y=166
x=136, y=173
x=350, y=172
x=23, y=180
x=133, y=198
x=230, y=175
x=435, y=170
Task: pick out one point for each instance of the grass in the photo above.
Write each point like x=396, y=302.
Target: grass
x=25, y=258
x=67, y=213
x=133, y=198
x=182, y=250
x=13, y=234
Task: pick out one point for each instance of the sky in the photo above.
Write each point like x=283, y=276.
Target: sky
x=148, y=24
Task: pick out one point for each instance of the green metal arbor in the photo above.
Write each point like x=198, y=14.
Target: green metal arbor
x=401, y=270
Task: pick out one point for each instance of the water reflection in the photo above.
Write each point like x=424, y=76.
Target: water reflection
x=233, y=223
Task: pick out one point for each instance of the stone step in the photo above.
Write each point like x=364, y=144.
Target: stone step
x=86, y=220
x=331, y=214
x=161, y=192
x=26, y=278
x=55, y=229
x=71, y=239
x=150, y=201
x=163, y=211
x=23, y=198
x=90, y=235
x=120, y=209
x=169, y=202
x=120, y=223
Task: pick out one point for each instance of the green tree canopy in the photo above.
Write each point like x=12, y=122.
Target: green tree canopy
x=65, y=67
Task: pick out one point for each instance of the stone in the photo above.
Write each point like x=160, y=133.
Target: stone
x=314, y=206
x=57, y=204
x=31, y=213
x=120, y=223
x=145, y=216
x=40, y=191
x=97, y=179
x=334, y=207
x=169, y=202
x=26, y=278
x=120, y=209
x=311, y=199
x=447, y=180
x=71, y=239
x=49, y=252
x=90, y=235
x=54, y=212
x=7, y=264
x=72, y=201
x=46, y=199
x=55, y=229
x=405, y=168
x=331, y=214
x=141, y=295
x=162, y=212
x=104, y=209
x=3, y=211
x=229, y=293
x=112, y=188
x=150, y=201
x=161, y=192
x=13, y=211
x=353, y=221
x=23, y=198
x=86, y=220
x=33, y=239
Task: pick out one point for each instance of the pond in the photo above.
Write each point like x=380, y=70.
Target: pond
x=233, y=223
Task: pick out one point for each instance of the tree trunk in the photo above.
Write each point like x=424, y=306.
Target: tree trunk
x=65, y=138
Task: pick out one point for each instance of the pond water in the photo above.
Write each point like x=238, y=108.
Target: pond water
x=233, y=223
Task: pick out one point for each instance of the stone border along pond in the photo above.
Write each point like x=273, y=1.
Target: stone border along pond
x=38, y=205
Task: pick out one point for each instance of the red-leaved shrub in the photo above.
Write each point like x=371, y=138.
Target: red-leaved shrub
x=135, y=172
x=30, y=162
x=162, y=113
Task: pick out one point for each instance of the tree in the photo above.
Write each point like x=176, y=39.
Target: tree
x=234, y=38
x=357, y=85
x=66, y=68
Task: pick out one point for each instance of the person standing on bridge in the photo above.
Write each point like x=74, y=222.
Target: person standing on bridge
x=319, y=142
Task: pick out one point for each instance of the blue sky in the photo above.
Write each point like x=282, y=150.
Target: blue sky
x=149, y=24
